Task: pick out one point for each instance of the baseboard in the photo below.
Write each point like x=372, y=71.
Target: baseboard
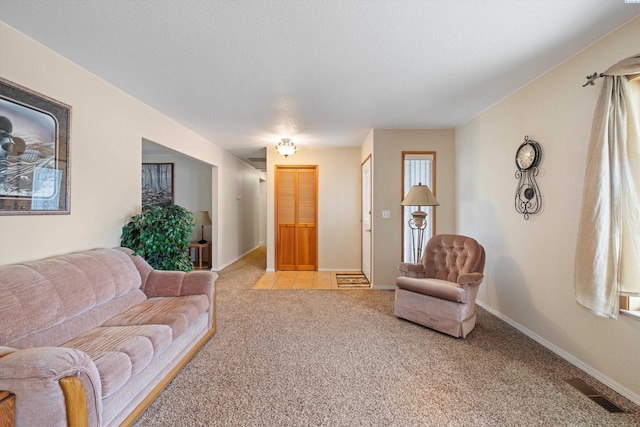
x=345, y=269
x=384, y=287
x=635, y=398
x=237, y=258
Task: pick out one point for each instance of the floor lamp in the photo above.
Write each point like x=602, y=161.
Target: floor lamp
x=419, y=195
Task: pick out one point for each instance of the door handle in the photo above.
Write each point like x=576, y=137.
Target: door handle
x=369, y=230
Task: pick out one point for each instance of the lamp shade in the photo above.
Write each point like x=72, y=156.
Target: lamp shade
x=420, y=195
x=202, y=218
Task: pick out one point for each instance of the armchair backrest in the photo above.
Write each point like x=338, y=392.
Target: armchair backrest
x=448, y=255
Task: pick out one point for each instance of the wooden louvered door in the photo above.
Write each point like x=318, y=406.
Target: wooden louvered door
x=296, y=217
x=286, y=218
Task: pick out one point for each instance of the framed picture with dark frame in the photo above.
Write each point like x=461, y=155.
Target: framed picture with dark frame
x=157, y=184
x=34, y=152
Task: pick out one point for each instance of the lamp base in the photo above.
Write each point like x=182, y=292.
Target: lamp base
x=202, y=235
x=417, y=224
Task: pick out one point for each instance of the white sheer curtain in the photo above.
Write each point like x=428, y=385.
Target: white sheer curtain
x=608, y=248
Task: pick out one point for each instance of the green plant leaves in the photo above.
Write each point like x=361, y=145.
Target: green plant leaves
x=161, y=236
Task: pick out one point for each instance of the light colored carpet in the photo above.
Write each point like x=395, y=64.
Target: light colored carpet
x=341, y=358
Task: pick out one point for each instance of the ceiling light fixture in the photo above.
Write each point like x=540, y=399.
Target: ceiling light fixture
x=286, y=147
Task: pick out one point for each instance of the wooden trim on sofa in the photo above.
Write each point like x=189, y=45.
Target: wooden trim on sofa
x=75, y=401
x=7, y=409
x=139, y=410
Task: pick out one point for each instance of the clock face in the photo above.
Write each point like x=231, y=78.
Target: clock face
x=525, y=157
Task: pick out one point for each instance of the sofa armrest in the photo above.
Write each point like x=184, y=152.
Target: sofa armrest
x=412, y=269
x=470, y=279
x=34, y=375
x=199, y=283
x=161, y=283
x=178, y=283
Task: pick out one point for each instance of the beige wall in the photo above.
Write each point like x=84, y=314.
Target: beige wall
x=388, y=145
x=107, y=129
x=338, y=204
x=366, y=149
x=529, y=271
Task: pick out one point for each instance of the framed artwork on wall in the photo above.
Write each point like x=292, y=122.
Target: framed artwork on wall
x=34, y=152
x=157, y=184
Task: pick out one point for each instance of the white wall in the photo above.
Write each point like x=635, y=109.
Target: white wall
x=529, y=270
x=338, y=204
x=107, y=129
x=388, y=145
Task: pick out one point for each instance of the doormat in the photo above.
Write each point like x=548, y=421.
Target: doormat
x=352, y=281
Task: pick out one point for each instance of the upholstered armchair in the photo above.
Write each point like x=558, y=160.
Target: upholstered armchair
x=440, y=291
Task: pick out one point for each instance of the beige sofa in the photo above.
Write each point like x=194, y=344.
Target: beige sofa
x=93, y=337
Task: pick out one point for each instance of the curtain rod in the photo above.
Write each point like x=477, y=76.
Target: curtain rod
x=593, y=77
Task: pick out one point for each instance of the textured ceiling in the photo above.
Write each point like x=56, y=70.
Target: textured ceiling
x=244, y=74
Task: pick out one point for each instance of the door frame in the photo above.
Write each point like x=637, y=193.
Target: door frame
x=362, y=223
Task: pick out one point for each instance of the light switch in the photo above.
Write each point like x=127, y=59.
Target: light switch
x=386, y=214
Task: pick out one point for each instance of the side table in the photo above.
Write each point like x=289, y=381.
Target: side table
x=200, y=261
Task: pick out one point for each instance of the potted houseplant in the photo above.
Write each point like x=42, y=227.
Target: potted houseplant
x=161, y=235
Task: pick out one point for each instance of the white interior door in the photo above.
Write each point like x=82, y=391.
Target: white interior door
x=366, y=218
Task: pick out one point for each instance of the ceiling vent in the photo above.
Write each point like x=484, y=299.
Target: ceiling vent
x=259, y=163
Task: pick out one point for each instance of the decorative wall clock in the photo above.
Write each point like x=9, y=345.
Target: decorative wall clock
x=528, y=199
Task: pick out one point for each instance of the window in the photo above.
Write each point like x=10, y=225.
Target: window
x=608, y=243
x=630, y=305
x=418, y=167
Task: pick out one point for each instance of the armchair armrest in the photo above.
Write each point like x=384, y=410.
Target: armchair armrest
x=412, y=269
x=470, y=279
x=35, y=375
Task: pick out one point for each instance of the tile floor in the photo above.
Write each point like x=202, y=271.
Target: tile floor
x=301, y=280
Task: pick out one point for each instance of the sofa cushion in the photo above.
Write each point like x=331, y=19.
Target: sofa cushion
x=106, y=345
x=114, y=368
x=37, y=295
x=73, y=326
x=176, y=312
x=6, y=350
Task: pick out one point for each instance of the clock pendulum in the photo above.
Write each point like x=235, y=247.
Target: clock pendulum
x=528, y=200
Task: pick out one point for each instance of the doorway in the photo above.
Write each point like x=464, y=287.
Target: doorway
x=366, y=218
x=296, y=201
